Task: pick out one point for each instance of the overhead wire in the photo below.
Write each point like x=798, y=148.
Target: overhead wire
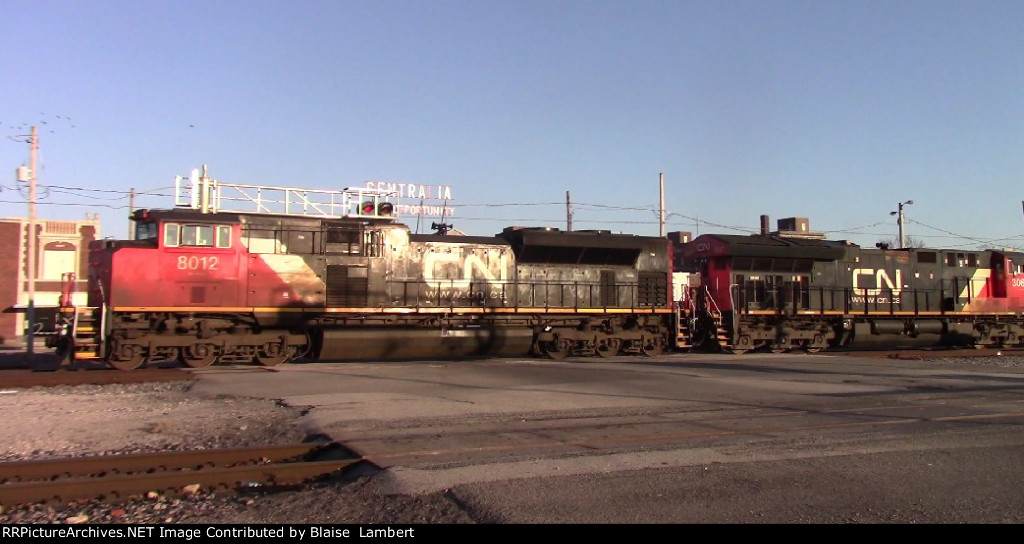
x=672, y=218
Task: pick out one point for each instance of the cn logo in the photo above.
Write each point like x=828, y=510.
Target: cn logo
x=880, y=278
x=436, y=264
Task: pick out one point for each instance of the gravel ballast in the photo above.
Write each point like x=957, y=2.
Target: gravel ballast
x=61, y=422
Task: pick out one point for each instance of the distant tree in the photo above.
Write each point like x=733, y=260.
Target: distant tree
x=915, y=242
x=894, y=243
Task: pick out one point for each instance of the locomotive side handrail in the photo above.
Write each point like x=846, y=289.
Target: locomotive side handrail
x=518, y=294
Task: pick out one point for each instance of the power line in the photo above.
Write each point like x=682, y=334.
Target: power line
x=682, y=220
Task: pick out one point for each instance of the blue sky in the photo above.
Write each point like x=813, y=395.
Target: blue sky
x=831, y=110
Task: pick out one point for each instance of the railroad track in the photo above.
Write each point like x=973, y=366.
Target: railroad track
x=115, y=478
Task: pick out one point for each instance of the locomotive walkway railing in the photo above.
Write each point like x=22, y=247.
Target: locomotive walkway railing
x=960, y=296
x=498, y=294
x=200, y=192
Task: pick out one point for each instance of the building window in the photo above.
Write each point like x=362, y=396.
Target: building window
x=57, y=262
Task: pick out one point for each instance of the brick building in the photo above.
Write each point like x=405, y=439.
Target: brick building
x=61, y=247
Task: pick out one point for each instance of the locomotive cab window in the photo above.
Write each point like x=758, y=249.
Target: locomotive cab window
x=172, y=235
x=197, y=235
x=176, y=235
x=223, y=236
x=146, y=231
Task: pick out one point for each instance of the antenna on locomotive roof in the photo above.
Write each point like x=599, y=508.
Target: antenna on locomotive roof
x=442, y=227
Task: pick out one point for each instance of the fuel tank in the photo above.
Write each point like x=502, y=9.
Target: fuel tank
x=355, y=344
x=881, y=334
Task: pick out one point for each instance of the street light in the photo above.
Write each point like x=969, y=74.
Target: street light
x=899, y=220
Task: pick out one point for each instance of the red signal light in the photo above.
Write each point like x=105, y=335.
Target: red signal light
x=368, y=208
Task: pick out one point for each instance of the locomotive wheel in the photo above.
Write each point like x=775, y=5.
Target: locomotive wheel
x=556, y=350
x=129, y=364
x=132, y=362
x=272, y=354
x=199, y=355
x=126, y=356
x=608, y=348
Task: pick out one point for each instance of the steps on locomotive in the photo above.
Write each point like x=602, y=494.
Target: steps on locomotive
x=87, y=330
x=684, y=334
x=721, y=334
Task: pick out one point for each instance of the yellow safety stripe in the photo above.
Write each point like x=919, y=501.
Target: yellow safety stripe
x=391, y=310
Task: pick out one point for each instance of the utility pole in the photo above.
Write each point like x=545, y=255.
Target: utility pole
x=131, y=211
x=568, y=213
x=30, y=308
x=661, y=183
x=899, y=221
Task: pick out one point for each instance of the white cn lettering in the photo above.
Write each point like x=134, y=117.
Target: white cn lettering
x=881, y=278
x=469, y=263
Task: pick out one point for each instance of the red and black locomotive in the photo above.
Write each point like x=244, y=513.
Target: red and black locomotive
x=786, y=290
x=331, y=275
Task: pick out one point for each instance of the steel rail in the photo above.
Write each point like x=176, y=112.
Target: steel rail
x=118, y=477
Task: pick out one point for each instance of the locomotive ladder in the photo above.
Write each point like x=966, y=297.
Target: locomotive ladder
x=85, y=331
x=687, y=314
x=684, y=326
x=79, y=327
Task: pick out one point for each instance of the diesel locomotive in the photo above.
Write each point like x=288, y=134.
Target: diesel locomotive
x=334, y=276
x=784, y=290
x=243, y=274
